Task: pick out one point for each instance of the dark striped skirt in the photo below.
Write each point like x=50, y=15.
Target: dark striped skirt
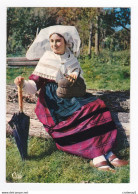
x=80, y=126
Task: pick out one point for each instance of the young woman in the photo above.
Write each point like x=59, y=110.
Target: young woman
x=79, y=125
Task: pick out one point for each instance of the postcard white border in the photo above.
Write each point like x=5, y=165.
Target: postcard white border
x=50, y=187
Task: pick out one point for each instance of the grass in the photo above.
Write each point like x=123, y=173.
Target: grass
x=108, y=71
x=46, y=164
x=12, y=73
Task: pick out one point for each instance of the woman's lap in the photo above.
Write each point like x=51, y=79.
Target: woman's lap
x=62, y=108
x=88, y=132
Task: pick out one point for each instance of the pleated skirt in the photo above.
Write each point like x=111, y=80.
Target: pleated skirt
x=80, y=126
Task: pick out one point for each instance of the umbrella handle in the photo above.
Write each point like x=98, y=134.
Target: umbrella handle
x=20, y=97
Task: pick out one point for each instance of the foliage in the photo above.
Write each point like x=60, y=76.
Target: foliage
x=22, y=24
x=121, y=17
x=111, y=21
x=46, y=164
x=120, y=40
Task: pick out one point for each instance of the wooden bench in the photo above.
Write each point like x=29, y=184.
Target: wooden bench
x=21, y=61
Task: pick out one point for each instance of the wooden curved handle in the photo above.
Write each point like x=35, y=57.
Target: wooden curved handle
x=20, y=97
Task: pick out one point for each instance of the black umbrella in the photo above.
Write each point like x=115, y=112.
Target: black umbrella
x=20, y=125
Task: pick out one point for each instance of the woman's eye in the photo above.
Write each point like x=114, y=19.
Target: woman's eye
x=58, y=41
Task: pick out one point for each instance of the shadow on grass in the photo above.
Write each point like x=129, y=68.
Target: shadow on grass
x=122, y=146
x=117, y=102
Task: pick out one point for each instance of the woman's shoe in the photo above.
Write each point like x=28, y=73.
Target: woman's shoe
x=116, y=162
x=102, y=164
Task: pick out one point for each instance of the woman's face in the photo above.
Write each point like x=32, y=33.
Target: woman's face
x=57, y=44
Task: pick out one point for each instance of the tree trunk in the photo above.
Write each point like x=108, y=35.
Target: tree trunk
x=97, y=33
x=90, y=40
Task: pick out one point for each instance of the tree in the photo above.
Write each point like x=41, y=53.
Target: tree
x=118, y=17
x=94, y=25
x=22, y=24
x=121, y=18
x=90, y=40
x=97, y=32
x=110, y=22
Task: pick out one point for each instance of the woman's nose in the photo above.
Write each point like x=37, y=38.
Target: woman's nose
x=54, y=43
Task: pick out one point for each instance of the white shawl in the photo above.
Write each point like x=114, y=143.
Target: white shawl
x=53, y=66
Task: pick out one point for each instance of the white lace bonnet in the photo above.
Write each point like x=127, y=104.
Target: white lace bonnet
x=41, y=42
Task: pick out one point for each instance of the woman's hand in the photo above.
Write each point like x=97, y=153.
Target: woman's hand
x=19, y=81
x=72, y=77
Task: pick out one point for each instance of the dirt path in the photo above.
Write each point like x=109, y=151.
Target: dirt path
x=118, y=103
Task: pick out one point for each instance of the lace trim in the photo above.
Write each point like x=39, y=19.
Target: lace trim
x=44, y=75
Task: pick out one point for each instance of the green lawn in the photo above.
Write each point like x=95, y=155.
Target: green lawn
x=46, y=164
x=12, y=73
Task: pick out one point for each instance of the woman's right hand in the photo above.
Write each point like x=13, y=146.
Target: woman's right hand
x=19, y=81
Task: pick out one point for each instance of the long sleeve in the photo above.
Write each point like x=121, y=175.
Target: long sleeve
x=30, y=87
x=75, y=72
x=39, y=81
x=75, y=69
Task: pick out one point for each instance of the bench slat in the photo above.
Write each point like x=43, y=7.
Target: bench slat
x=19, y=59
x=26, y=63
